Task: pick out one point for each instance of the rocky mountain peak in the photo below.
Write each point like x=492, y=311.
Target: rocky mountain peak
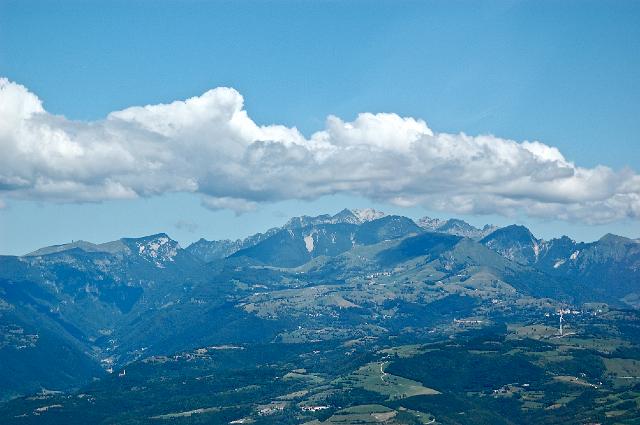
x=516, y=243
x=367, y=214
x=454, y=226
x=158, y=248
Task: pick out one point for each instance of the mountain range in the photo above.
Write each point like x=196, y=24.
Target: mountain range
x=92, y=309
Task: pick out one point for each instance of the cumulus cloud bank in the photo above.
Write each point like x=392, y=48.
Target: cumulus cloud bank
x=209, y=145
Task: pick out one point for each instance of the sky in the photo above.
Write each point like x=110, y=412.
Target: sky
x=494, y=112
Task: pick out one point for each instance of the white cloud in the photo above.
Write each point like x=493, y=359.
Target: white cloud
x=186, y=225
x=209, y=145
x=238, y=205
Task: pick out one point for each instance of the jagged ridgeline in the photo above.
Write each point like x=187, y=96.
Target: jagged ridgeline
x=323, y=319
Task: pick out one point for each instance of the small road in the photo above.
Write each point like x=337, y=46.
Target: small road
x=382, y=372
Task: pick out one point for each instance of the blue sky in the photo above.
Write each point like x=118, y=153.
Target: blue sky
x=563, y=73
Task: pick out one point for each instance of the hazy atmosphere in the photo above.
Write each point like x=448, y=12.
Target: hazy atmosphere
x=251, y=112
x=319, y=212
